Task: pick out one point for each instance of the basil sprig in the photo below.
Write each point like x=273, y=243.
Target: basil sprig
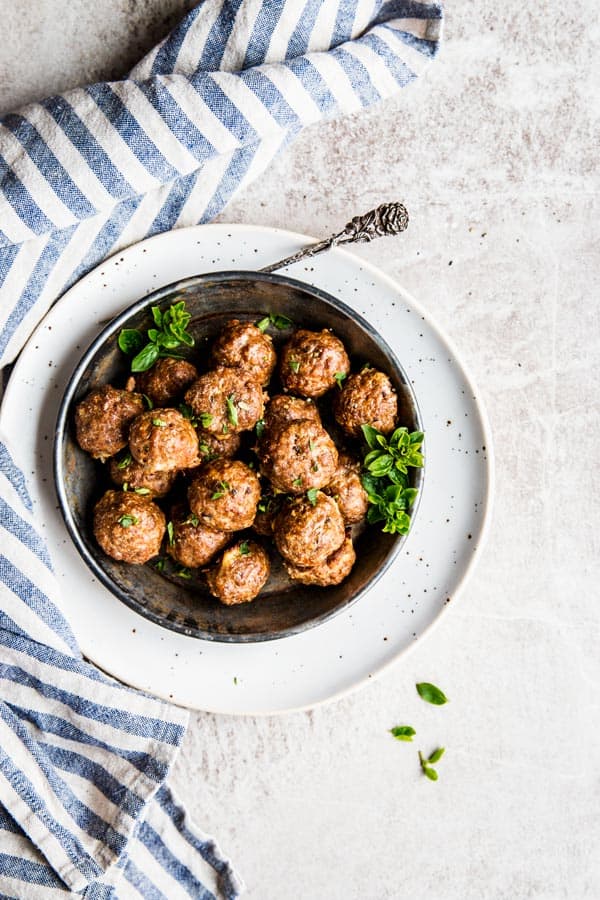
x=385, y=476
x=426, y=764
x=169, y=334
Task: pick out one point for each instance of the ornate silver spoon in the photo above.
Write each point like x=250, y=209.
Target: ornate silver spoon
x=388, y=219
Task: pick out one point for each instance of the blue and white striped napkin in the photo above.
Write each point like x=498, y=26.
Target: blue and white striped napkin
x=84, y=799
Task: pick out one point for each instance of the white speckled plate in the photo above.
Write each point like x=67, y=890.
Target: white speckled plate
x=340, y=655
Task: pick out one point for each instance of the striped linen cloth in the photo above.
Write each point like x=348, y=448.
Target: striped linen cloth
x=85, y=804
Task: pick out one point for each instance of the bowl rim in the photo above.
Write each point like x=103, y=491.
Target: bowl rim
x=61, y=427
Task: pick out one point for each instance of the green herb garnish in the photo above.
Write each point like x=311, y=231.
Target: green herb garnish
x=231, y=410
x=279, y=322
x=142, y=491
x=427, y=763
x=149, y=402
x=159, y=565
x=125, y=461
x=244, y=548
x=128, y=521
x=297, y=482
x=385, y=476
x=183, y=572
x=294, y=365
x=311, y=495
x=170, y=333
x=159, y=423
x=431, y=694
x=192, y=519
x=260, y=428
x=188, y=413
x=171, y=533
x=223, y=488
x=403, y=732
x=339, y=377
x=206, y=451
x=205, y=419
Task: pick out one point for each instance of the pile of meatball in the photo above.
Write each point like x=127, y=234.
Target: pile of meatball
x=170, y=441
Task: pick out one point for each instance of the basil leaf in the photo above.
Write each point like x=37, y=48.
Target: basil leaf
x=370, y=434
x=205, y=419
x=431, y=773
x=312, y=494
x=130, y=340
x=403, y=732
x=263, y=324
x=294, y=366
x=125, y=461
x=436, y=755
x=157, y=316
x=431, y=694
x=244, y=548
x=231, y=411
x=381, y=466
x=128, y=521
x=171, y=533
x=417, y=437
x=145, y=358
x=260, y=428
x=280, y=322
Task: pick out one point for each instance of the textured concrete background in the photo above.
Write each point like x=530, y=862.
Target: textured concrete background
x=494, y=152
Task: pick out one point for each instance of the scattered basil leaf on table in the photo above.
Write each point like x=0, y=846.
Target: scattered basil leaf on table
x=431, y=694
x=403, y=732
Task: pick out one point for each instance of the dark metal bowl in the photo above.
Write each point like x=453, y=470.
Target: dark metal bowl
x=284, y=607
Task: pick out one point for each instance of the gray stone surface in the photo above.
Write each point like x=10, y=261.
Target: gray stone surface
x=495, y=154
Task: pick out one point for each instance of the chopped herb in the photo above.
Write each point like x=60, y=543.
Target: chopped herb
x=142, y=491
x=225, y=429
x=128, y=521
x=125, y=461
x=277, y=321
x=315, y=467
x=170, y=333
x=223, y=488
x=311, y=445
x=235, y=679
x=205, y=419
x=188, y=413
x=260, y=428
x=232, y=411
x=297, y=482
x=125, y=486
x=159, y=423
x=183, y=572
x=171, y=533
x=403, y=732
x=339, y=377
x=294, y=365
x=192, y=519
x=311, y=495
x=431, y=694
x=149, y=402
x=426, y=763
x=244, y=548
x=206, y=451
x=159, y=565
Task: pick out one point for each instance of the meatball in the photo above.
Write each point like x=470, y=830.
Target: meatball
x=224, y=495
x=310, y=361
x=367, y=398
x=190, y=543
x=281, y=410
x=243, y=345
x=128, y=527
x=346, y=489
x=166, y=380
x=212, y=446
x=226, y=400
x=102, y=420
x=163, y=440
x=240, y=574
x=137, y=478
x=299, y=456
x=332, y=571
x=306, y=532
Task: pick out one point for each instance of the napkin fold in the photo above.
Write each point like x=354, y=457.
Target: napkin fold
x=85, y=804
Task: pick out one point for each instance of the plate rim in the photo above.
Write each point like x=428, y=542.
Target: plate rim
x=484, y=528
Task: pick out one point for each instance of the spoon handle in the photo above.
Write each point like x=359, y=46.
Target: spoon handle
x=387, y=219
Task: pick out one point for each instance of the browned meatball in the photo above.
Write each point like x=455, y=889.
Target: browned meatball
x=310, y=361
x=163, y=440
x=224, y=495
x=244, y=345
x=166, y=380
x=212, y=446
x=367, y=398
x=137, y=478
x=266, y=511
x=306, y=533
x=332, y=571
x=128, y=527
x=346, y=489
x=190, y=543
x=299, y=456
x=226, y=400
x=240, y=574
x=102, y=420
x=282, y=409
